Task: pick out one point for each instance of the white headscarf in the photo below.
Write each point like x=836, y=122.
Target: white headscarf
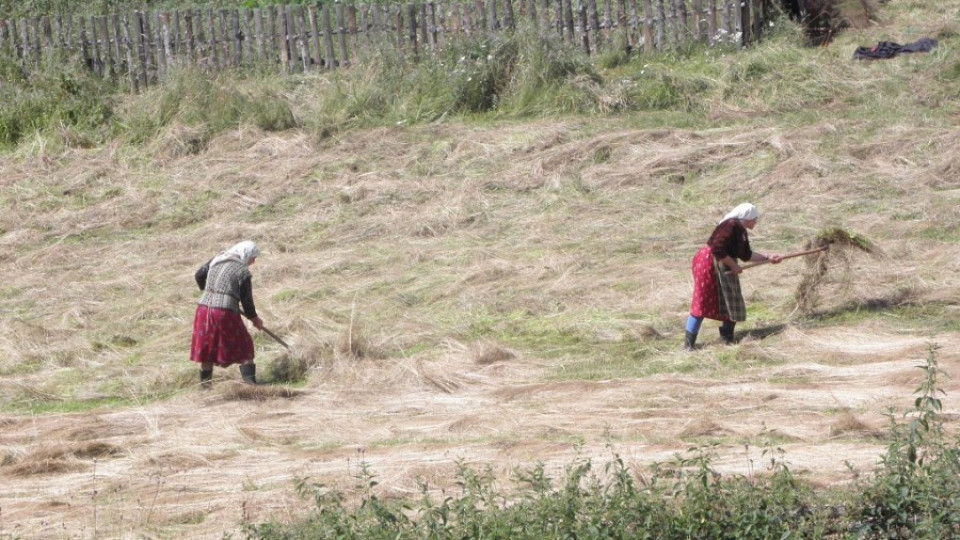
x=744, y=211
x=244, y=251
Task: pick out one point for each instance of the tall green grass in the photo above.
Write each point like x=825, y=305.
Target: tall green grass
x=53, y=100
x=206, y=104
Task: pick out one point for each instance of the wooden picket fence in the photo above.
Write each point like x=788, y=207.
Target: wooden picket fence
x=141, y=46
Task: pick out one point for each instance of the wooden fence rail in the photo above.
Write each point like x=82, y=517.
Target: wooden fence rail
x=141, y=46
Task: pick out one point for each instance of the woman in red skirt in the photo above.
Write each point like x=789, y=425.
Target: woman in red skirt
x=219, y=335
x=716, y=274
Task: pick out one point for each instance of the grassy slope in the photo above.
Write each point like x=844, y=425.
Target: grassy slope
x=565, y=241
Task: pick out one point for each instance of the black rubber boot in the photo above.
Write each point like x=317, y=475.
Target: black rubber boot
x=690, y=341
x=726, y=334
x=249, y=373
x=206, y=379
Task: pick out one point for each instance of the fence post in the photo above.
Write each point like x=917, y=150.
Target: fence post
x=342, y=36
x=608, y=18
x=434, y=29
x=412, y=36
x=257, y=36
x=593, y=21
x=34, y=27
x=584, y=26
x=314, y=28
x=330, y=59
x=270, y=36
x=164, y=30
x=759, y=18
x=698, y=19
x=424, y=27
x=467, y=19
x=745, y=22
x=58, y=30
x=157, y=37
x=128, y=50
x=4, y=34
x=622, y=22
x=106, y=47
x=301, y=37
x=47, y=32
x=176, y=43
x=236, y=37
x=118, y=43
x=249, y=52
x=223, y=34
x=14, y=42
x=352, y=25
x=648, y=44
x=509, y=17
x=493, y=23
x=568, y=17
x=399, y=28
x=139, y=22
x=661, y=24
x=96, y=35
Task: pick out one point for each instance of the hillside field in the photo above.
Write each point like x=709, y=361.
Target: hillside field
x=483, y=290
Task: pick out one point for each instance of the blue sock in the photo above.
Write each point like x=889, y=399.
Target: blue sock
x=693, y=324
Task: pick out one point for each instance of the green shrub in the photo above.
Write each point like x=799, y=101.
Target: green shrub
x=916, y=491
x=52, y=97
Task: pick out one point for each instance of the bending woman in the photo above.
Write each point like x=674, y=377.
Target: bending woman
x=716, y=274
x=219, y=335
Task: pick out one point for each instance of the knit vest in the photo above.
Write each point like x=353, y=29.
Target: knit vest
x=223, y=285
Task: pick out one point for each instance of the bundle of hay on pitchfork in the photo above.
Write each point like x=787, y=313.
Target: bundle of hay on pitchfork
x=830, y=245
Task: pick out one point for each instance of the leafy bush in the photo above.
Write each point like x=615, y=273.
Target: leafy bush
x=698, y=503
x=916, y=492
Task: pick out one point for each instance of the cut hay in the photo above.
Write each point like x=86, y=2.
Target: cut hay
x=486, y=353
x=290, y=368
x=840, y=244
x=256, y=392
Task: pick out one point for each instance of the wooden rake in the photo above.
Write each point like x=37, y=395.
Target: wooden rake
x=275, y=337
x=785, y=257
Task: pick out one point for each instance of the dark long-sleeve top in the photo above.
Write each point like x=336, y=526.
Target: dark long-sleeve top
x=230, y=286
x=730, y=238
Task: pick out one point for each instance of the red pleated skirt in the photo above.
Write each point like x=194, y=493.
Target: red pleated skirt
x=220, y=337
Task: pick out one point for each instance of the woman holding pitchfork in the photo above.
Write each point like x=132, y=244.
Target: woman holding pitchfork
x=716, y=274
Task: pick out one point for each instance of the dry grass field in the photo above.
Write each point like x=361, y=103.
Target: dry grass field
x=499, y=293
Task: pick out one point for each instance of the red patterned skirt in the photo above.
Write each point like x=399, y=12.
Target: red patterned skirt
x=220, y=337
x=706, y=291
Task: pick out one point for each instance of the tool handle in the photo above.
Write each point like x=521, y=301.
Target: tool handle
x=275, y=337
x=787, y=256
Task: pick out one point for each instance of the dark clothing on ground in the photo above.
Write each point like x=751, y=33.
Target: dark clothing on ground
x=889, y=49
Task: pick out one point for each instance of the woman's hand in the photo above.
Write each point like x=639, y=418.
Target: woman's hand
x=258, y=323
x=775, y=259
